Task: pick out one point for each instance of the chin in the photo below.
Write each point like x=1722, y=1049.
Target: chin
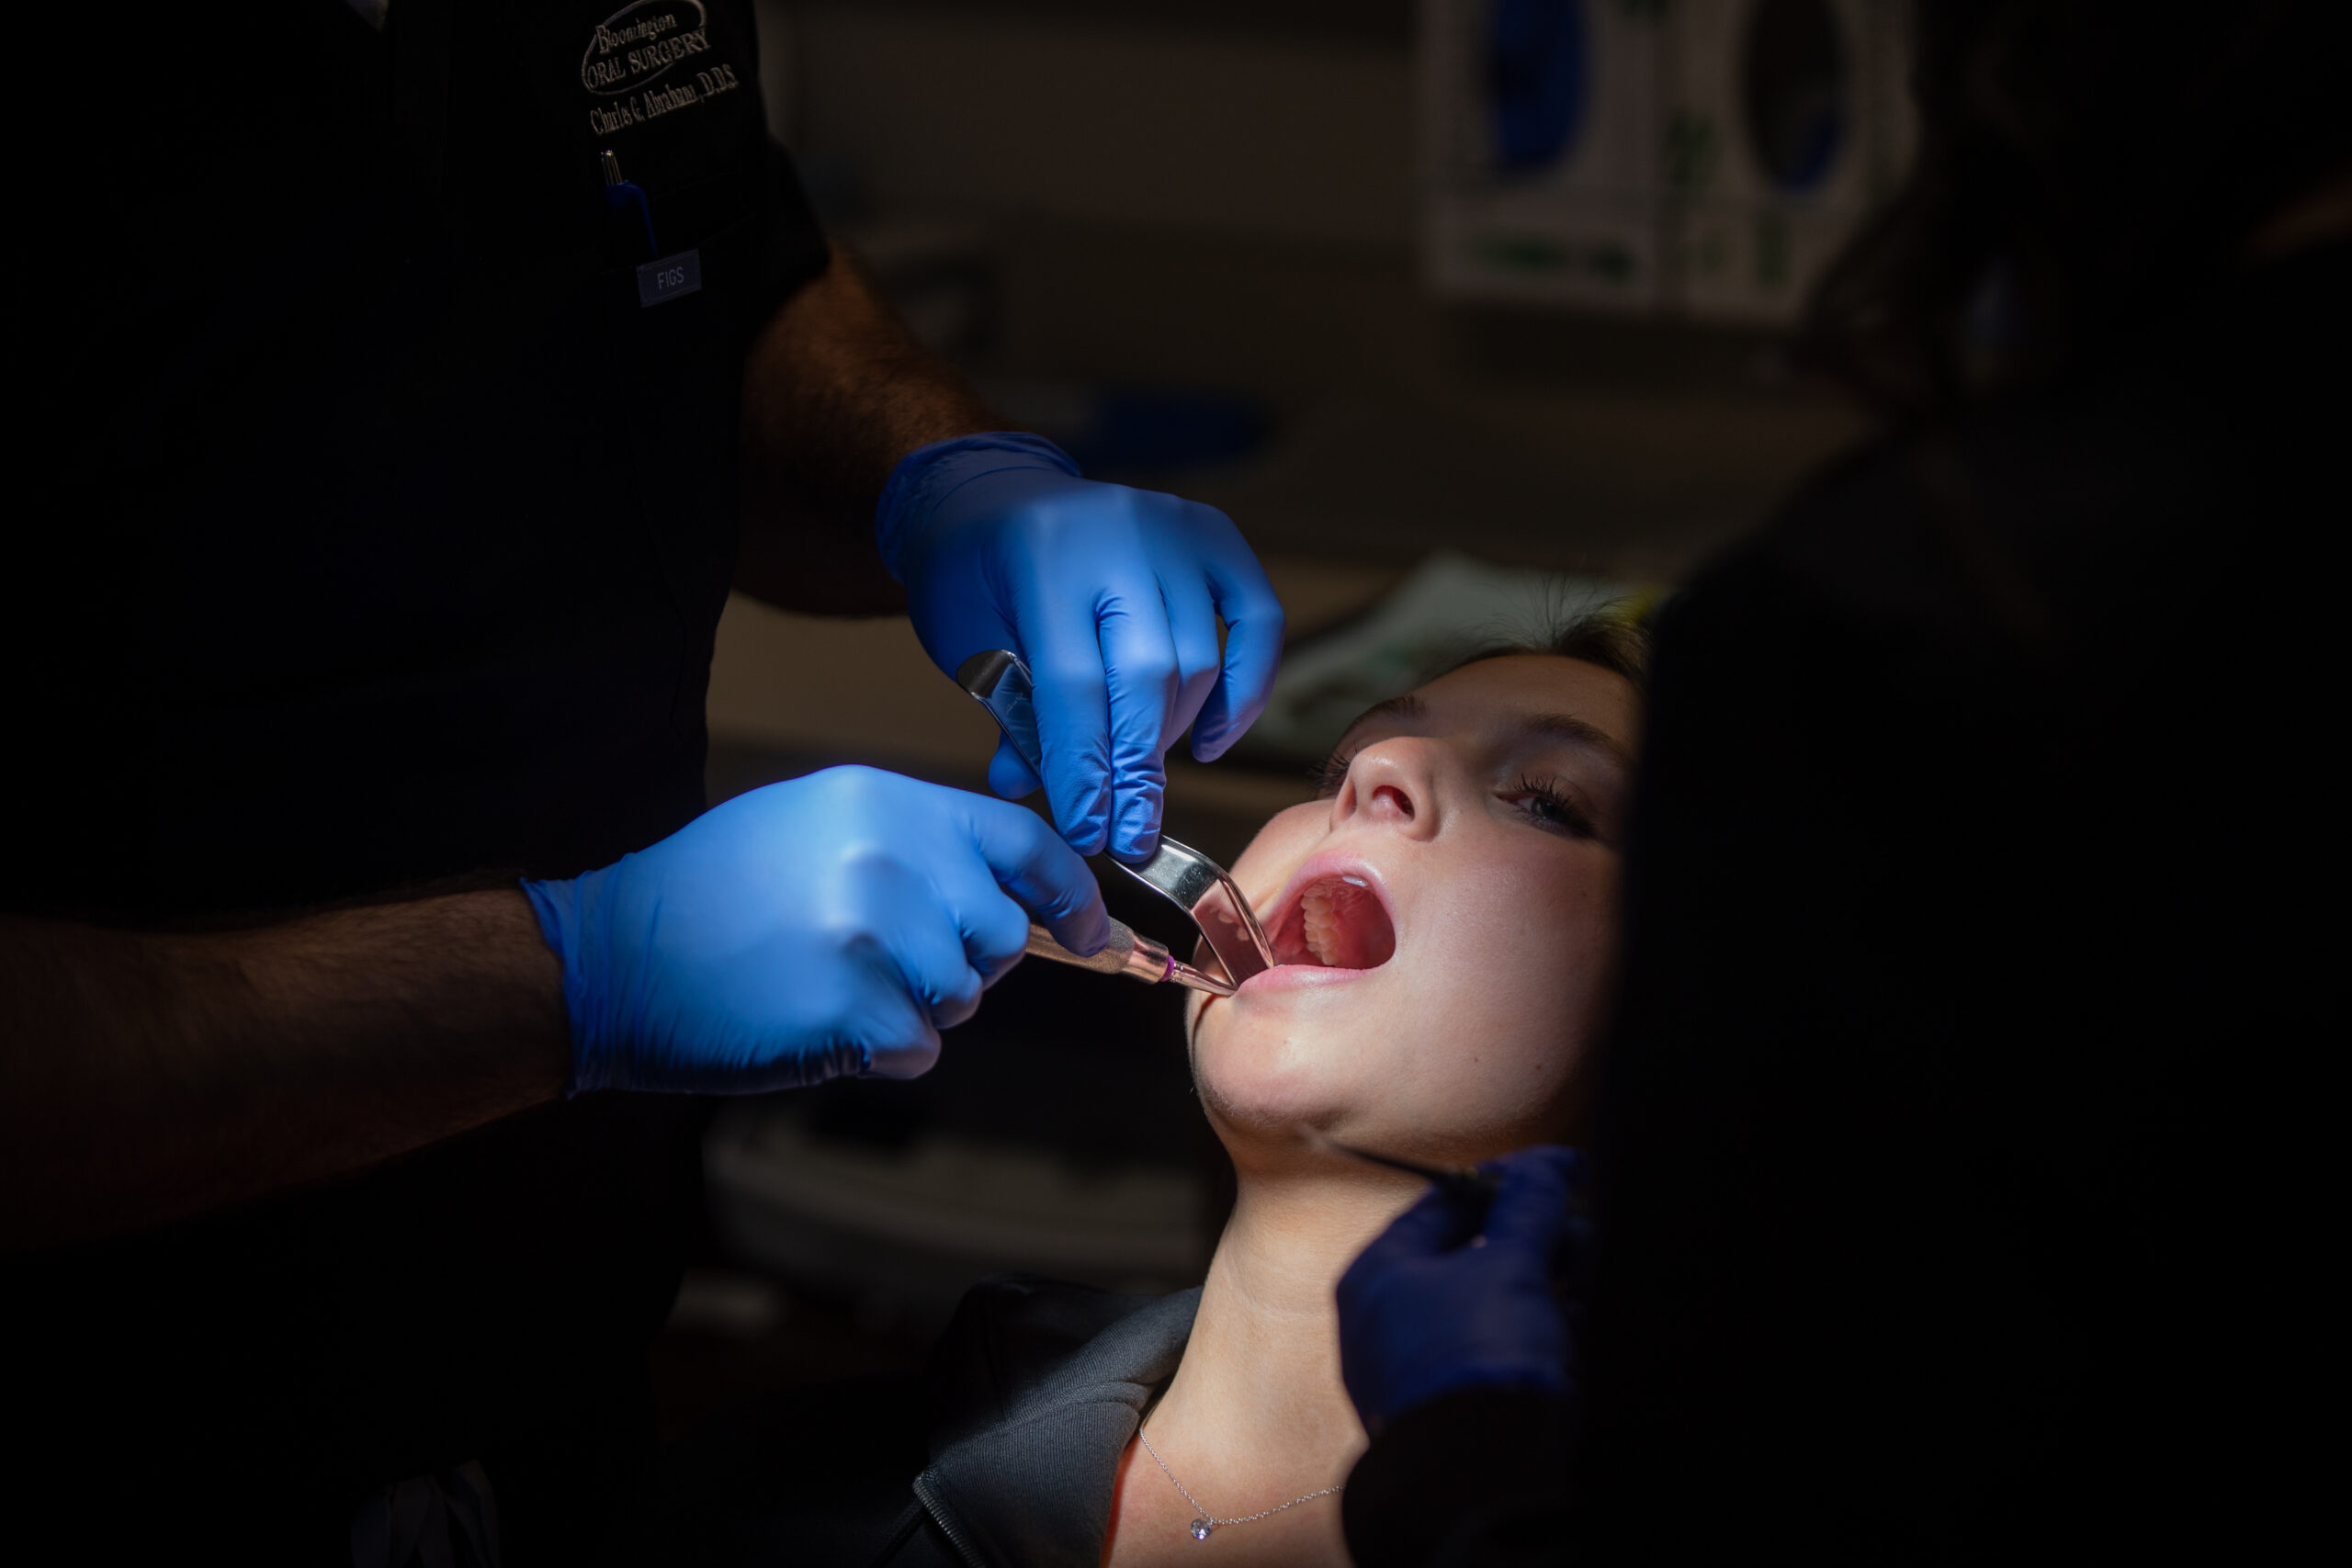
x=1345, y=1060
x=1289, y=1081
x=1388, y=1019
x=1355, y=1063
x=1294, y=1047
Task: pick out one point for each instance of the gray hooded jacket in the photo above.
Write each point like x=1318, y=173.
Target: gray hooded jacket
x=1027, y=1450
x=1003, y=1454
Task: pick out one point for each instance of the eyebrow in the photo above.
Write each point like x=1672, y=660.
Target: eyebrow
x=1542, y=725
x=1577, y=732
x=1409, y=705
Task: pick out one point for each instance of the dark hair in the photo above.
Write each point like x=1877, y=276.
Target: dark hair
x=2082, y=165
x=1610, y=638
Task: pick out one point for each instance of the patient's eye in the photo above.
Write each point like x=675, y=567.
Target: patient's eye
x=1552, y=808
x=1331, y=772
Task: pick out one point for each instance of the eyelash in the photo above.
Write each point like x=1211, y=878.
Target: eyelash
x=1572, y=819
x=1330, y=773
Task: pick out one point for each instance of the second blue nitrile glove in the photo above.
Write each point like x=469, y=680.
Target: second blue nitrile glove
x=1112, y=594
x=830, y=925
x=1429, y=1307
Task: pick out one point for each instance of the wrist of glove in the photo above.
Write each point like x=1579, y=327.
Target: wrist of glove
x=830, y=925
x=1442, y=1301
x=929, y=477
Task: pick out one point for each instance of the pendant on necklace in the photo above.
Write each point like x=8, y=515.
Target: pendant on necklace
x=1200, y=1528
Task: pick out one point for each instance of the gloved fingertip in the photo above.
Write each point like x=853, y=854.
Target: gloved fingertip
x=1547, y=1165
x=1009, y=776
x=909, y=1060
x=1432, y=1226
x=1225, y=717
x=1139, y=803
x=1087, y=932
x=1532, y=1195
x=1135, y=840
x=1085, y=823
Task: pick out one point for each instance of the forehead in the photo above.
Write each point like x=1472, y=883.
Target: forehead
x=1495, y=692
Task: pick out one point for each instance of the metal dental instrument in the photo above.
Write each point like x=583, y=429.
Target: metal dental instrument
x=1136, y=956
x=999, y=679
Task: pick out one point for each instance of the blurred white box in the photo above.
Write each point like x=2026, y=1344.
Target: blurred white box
x=1703, y=156
x=1753, y=261
x=1540, y=152
x=1887, y=104
x=1786, y=122
x=1768, y=96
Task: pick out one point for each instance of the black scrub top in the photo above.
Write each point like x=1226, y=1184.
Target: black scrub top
x=370, y=530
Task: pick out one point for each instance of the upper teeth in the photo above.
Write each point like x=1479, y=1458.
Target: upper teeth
x=1322, y=928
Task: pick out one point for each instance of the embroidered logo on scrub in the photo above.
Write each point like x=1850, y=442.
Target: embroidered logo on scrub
x=650, y=58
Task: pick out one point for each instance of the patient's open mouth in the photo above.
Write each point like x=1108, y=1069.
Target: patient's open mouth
x=1335, y=923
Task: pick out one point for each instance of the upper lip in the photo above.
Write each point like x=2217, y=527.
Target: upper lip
x=1314, y=869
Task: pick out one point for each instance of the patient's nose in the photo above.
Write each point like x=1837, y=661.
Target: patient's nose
x=1389, y=784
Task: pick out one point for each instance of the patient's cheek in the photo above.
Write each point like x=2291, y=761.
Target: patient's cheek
x=1289, y=837
x=1515, y=973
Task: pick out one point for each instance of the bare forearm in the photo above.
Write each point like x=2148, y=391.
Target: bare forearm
x=146, y=1077
x=835, y=392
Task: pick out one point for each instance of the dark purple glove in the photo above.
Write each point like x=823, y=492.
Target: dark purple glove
x=1435, y=1305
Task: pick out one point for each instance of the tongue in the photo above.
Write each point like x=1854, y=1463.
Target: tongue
x=1345, y=926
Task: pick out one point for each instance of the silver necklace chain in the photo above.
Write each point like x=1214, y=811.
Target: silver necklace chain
x=1201, y=1527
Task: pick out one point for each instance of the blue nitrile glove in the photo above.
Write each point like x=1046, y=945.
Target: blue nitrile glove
x=1429, y=1308
x=829, y=925
x=1112, y=594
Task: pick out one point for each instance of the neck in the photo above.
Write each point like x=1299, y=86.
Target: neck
x=1257, y=1407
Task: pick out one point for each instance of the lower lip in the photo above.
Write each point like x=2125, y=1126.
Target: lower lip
x=1297, y=978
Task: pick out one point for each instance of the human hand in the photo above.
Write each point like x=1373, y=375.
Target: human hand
x=1110, y=594
x=1430, y=1307
x=829, y=925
